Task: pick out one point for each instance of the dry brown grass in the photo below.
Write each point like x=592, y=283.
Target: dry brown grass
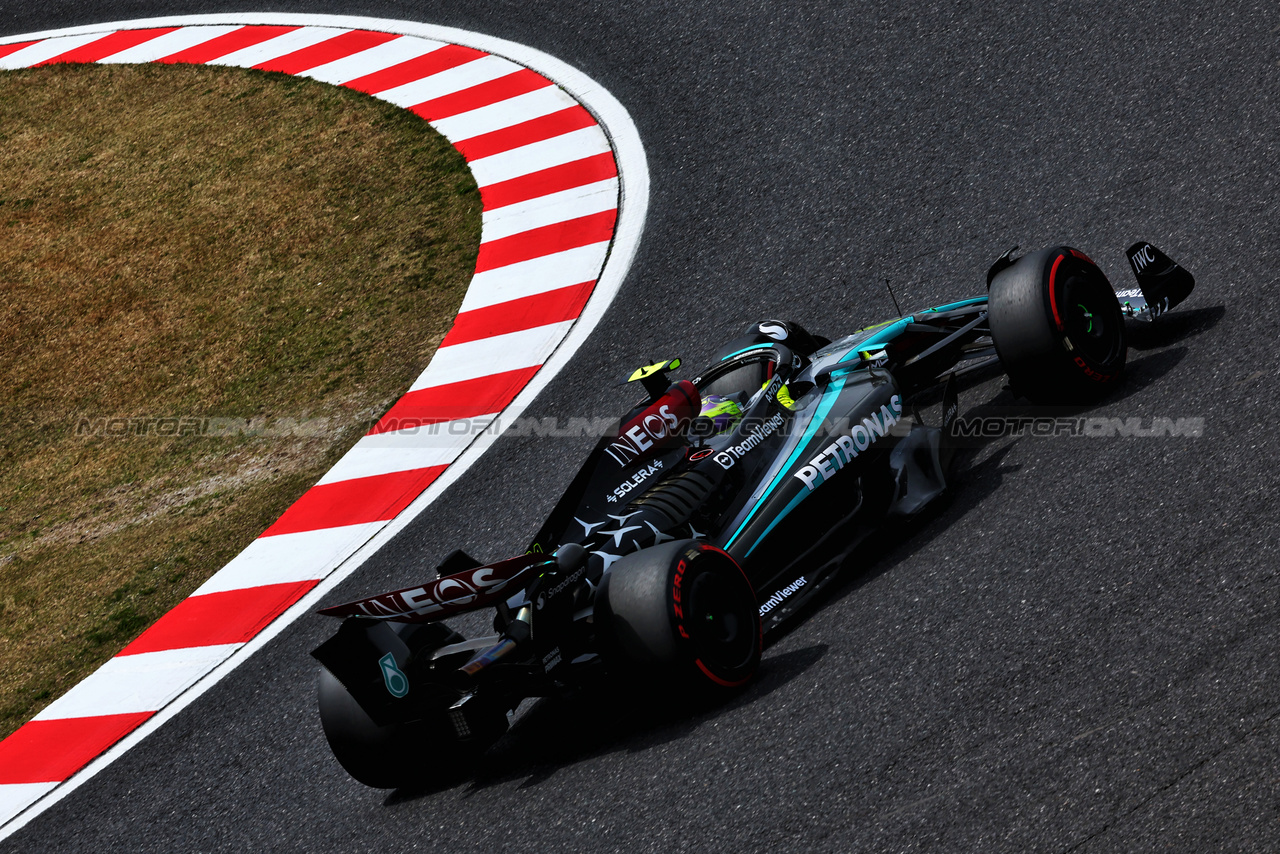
x=193, y=242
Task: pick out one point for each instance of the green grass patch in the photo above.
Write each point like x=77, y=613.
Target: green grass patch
x=187, y=243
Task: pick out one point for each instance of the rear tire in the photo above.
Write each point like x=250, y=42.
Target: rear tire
x=379, y=756
x=1057, y=327
x=421, y=752
x=682, y=614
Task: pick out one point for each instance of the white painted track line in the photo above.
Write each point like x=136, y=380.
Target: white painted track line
x=401, y=450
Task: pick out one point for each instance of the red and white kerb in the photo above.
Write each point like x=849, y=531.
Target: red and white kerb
x=550, y=189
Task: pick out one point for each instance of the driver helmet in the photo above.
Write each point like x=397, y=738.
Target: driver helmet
x=724, y=412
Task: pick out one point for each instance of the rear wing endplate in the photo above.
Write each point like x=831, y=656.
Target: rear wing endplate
x=1162, y=284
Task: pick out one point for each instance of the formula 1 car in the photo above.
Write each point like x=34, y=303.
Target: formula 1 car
x=683, y=540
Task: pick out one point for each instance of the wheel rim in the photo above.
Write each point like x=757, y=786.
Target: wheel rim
x=719, y=614
x=1089, y=310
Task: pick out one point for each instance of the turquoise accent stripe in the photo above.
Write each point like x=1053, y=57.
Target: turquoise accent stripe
x=824, y=406
x=841, y=373
x=952, y=306
x=894, y=329
x=884, y=336
x=795, y=502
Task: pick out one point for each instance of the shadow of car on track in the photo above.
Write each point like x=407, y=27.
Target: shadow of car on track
x=978, y=471
x=897, y=543
x=557, y=732
x=1175, y=326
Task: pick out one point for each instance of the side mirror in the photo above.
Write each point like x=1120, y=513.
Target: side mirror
x=653, y=378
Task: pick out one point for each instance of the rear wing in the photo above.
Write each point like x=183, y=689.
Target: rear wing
x=1162, y=284
x=468, y=590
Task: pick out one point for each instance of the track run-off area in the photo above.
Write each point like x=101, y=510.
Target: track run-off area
x=551, y=192
x=1076, y=654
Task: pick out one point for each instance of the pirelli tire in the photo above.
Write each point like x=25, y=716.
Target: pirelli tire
x=1057, y=327
x=681, y=614
x=421, y=752
x=373, y=755
x=425, y=752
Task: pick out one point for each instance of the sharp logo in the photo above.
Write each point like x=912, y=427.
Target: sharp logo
x=1131, y=293
x=778, y=598
x=641, y=437
x=1142, y=258
x=776, y=331
x=847, y=447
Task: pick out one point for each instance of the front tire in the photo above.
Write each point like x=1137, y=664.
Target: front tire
x=682, y=613
x=1057, y=327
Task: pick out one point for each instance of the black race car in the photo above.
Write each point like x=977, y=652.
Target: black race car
x=718, y=507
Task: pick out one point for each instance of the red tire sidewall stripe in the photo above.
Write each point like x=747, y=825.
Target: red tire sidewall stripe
x=725, y=683
x=1053, y=298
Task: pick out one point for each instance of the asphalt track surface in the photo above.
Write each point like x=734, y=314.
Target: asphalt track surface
x=1076, y=654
